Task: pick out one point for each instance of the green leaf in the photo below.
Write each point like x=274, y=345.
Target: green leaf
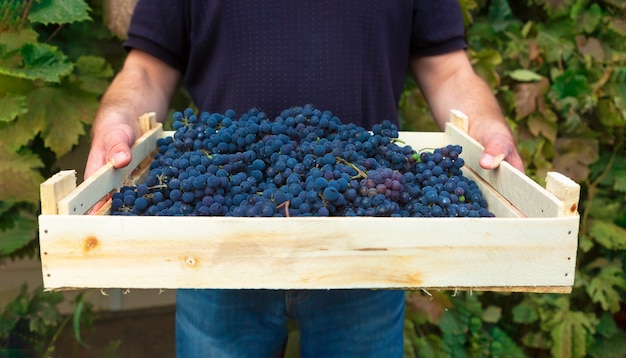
x=617, y=25
x=23, y=231
x=492, y=314
x=500, y=14
x=608, y=235
x=574, y=156
x=620, y=181
x=588, y=19
x=38, y=62
x=571, y=84
x=431, y=346
x=524, y=75
x=604, y=287
x=11, y=107
x=14, y=40
x=94, y=73
x=509, y=346
x=485, y=62
x=78, y=310
x=590, y=46
x=544, y=124
x=554, y=46
x=63, y=111
x=525, y=313
x=570, y=333
x=19, y=176
x=12, y=313
x=556, y=8
x=59, y=12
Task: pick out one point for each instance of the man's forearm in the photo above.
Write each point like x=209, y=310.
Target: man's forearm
x=138, y=88
x=449, y=82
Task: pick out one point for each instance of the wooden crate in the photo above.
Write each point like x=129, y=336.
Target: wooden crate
x=530, y=246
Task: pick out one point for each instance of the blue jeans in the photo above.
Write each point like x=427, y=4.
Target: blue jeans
x=253, y=323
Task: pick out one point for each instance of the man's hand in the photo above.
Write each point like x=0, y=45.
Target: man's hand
x=145, y=84
x=111, y=143
x=449, y=82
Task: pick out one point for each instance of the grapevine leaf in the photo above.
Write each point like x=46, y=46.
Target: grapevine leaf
x=492, y=314
x=59, y=12
x=574, y=156
x=484, y=63
x=64, y=111
x=569, y=334
x=529, y=97
x=500, y=14
x=524, y=75
x=536, y=339
x=11, y=86
x=11, y=107
x=608, y=234
x=544, y=124
x=607, y=326
x=589, y=19
x=508, y=345
x=431, y=346
x=23, y=231
x=571, y=84
x=430, y=306
x=604, y=286
x=618, y=25
x=19, y=177
x=20, y=132
x=525, y=313
x=94, y=73
x=12, y=313
x=589, y=46
x=612, y=347
x=557, y=7
x=38, y=62
x=15, y=40
x=620, y=181
x=554, y=47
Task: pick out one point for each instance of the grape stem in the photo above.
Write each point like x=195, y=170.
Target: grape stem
x=360, y=173
x=284, y=204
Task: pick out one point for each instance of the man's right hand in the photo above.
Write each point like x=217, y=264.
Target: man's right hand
x=145, y=84
x=111, y=143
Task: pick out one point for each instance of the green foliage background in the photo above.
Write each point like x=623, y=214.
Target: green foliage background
x=55, y=61
x=558, y=68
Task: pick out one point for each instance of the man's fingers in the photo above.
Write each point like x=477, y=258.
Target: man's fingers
x=117, y=144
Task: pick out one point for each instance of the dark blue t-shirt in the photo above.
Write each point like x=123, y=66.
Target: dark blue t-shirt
x=346, y=56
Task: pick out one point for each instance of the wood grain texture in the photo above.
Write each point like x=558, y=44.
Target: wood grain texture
x=202, y=252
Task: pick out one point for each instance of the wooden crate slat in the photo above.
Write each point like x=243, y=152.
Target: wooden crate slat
x=497, y=203
x=108, y=178
x=142, y=252
x=524, y=193
x=56, y=188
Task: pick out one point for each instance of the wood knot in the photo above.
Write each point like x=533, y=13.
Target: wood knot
x=573, y=208
x=90, y=243
x=191, y=261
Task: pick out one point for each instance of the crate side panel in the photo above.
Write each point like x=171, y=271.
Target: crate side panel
x=150, y=252
x=107, y=178
x=524, y=193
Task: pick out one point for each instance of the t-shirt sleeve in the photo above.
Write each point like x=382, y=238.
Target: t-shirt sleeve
x=158, y=27
x=437, y=27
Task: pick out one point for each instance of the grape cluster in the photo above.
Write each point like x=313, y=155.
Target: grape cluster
x=304, y=162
